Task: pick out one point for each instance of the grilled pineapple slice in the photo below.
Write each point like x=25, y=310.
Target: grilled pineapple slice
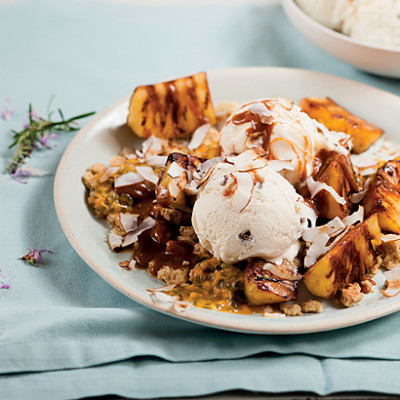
x=263, y=287
x=171, y=109
x=383, y=197
x=350, y=260
x=337, y=172
x=172, y=188
x=336, y=118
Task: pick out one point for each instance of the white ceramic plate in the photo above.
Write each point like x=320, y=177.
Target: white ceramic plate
x=376, y=59
x=106, y=134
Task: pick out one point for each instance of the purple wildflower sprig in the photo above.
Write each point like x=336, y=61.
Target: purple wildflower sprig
x=4, y=282
x=37, y=132
x=34, y=257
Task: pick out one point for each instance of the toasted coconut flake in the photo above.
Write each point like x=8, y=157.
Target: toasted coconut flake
x=391, y=237
x=206, y=176
x=244, y=189
x=315, y=187
x=173, y=187
x=148, y=174
x=161, y=297
x=206, y=165
x=380, y=152
x=175, y=170
x=128, y=221
x=320, y=236
x=364, y=161
x=150, y=147
x=156, y=161
x=260, y=109
x=248, y=160
x=191, y=189
x=274, y=315
x=163, y=289
x=392, y=282
x=368, y=171
x=285, y=103
x=198, y=136
x=358, y=197
x=320, y=247
x=284, y=271
x=279, y=165
x=180, y=306
x=333, y=227
x=128, y=152
x=133, y=235
x=392, y=288
x=357, y=216
x=114, y=240
x=108, y=173
x=317, y=248
x=130, y=178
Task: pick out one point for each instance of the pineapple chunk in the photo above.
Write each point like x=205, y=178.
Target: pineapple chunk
x=263, y=287
x=171, y=191
x=173, y=109
x=349, y=261
x=336, y=118
x=383, y=197
x=337, y=172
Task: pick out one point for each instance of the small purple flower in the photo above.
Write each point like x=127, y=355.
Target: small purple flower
x=35, y=256
x=34, y=115
x=4, y=283
x=8, y=111
x=7, y=114
x=20, y=173
x=43, y=140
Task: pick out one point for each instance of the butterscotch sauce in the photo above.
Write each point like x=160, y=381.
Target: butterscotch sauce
x=260, y=129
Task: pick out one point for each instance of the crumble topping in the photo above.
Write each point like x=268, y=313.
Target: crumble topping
x=312, y=306
x=351, y=295
x=291, y=310
x=173, y=276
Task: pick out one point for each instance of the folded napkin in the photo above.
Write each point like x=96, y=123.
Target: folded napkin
x=64, y=332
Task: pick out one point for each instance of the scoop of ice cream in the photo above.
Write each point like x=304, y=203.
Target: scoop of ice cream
x=238, y=215
x=284, y=131
x=330, y=13
x=374, y=21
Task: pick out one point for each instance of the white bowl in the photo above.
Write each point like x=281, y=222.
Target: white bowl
x=376, y=59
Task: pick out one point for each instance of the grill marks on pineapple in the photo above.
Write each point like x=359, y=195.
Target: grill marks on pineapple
x=172, y=109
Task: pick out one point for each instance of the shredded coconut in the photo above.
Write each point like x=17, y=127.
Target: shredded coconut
x=147, y=174
x=315, y=187
x=198, y=136
x=130, y=178
x=243, y=192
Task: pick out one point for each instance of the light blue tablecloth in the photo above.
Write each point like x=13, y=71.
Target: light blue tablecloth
x=64, y=332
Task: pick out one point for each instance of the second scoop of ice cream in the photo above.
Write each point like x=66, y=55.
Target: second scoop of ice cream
x=238, y=215
x=284, y=131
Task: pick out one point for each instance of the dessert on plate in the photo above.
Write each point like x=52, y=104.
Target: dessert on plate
x=235, y=207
